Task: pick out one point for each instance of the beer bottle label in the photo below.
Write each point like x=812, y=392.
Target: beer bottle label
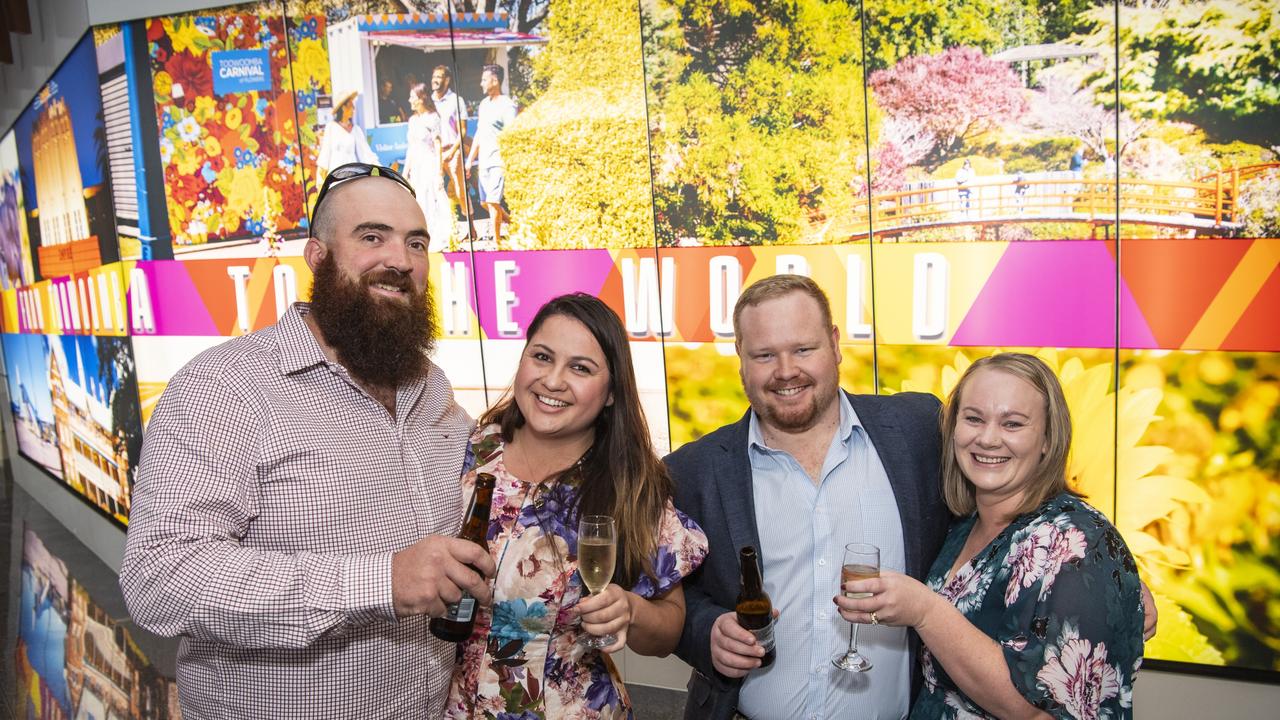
x=462, y=610
x=764, y=636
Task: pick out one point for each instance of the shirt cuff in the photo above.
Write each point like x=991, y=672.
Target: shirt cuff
x=366, y=583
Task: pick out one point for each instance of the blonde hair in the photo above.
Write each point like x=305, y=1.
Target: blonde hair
x=1050, y=474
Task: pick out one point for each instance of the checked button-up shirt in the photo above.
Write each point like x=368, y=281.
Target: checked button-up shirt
x=271, y=495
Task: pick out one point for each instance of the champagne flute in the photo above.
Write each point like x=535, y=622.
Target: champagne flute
x=597, y=553
x=861, y=562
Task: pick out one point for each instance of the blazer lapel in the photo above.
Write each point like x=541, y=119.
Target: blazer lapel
x=902, y=470
x=733, y=482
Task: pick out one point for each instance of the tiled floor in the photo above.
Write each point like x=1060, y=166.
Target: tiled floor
x=657, y=703
x=61, y=571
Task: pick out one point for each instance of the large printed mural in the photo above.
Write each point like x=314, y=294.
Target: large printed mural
x=1095, y=182
x=65, y=170
x=72, y=658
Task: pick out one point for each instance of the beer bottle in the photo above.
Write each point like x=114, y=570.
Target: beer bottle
x=455, y=625
x=755, y=611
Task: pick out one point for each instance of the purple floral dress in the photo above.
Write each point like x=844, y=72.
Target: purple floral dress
x=1059, y=591
x=522, y=661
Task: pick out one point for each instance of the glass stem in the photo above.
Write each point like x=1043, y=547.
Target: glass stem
x=853, y=638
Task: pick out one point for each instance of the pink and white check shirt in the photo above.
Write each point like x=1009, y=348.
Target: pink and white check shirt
x=271, y=495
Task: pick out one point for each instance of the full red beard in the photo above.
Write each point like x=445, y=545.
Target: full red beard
x=380, y=341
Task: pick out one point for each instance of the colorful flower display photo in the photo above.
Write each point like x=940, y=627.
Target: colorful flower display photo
x=228, y=126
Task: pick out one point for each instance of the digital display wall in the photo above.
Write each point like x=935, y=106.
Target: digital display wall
x=1074, y=179
x=15, y=252
x=66, y=177
x=72, y=658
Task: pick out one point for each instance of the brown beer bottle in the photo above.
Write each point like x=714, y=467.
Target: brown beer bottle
x=755, y=610
x=455, y=625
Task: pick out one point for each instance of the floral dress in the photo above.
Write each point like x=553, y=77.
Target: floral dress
x=1059, y=591
x=523, y=660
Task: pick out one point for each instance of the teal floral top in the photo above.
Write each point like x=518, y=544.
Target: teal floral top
x=1058, y=589
x=522, y=661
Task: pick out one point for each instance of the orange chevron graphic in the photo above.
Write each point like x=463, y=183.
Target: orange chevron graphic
x=1233, y=299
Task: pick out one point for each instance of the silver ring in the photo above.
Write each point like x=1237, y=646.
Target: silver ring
x=874, y=620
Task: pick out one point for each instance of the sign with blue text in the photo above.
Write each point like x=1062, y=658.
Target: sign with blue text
x=237, y=71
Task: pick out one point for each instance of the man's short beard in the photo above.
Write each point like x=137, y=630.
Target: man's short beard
x=799, y=419
x=379, y=341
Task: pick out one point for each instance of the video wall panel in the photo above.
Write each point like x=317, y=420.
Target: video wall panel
x=66, y=177
x=15, y=249
x=225, y=106
x=29, y=365
x=73, y=659
x=1197, y=192
x=960, y=178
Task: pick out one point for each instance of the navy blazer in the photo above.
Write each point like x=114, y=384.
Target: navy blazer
x=713, y=486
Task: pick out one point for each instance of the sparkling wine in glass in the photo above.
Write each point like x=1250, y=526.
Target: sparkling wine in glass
x=861, y=562
x=597, y=553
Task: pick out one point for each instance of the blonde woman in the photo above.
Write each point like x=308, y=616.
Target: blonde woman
x=1032, y=608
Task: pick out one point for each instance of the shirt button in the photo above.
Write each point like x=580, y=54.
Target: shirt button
x=822, y=562
x=823, y=615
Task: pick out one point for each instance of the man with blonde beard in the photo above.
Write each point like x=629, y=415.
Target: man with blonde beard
x=298, y=495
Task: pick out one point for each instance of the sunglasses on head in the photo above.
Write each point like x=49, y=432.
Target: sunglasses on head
x=351, y=171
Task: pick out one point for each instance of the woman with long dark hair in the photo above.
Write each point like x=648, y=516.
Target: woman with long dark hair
x=568, y=440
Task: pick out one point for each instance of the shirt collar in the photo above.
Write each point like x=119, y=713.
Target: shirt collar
x=299, y=348
x=848, y=421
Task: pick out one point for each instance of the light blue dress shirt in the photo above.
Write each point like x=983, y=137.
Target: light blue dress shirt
x=803, y=530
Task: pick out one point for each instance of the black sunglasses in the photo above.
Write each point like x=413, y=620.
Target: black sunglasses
x=351, y=171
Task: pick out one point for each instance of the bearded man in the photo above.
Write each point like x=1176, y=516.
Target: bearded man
x=298, y=497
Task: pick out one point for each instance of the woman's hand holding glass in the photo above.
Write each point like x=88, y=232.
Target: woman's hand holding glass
x=597, y=557
x=895, y=599
x=860, y=560
x=607, y=614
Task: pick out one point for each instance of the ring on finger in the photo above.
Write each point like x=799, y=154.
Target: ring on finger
x=874, y=620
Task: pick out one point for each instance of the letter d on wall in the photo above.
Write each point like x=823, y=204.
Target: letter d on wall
x=929, y=296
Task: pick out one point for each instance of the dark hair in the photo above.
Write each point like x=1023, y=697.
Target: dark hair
x=448, y=74
x=496, y=71
x=1050, y=472
x=345, y=110
x=620, y=475
x=424, y=96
